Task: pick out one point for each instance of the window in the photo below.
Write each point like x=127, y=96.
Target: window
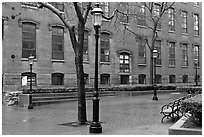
x=196, y=53
x=57, y=43
x=124, y=62
x=105, y=79
x=197, y=78
x=57, y=79
x=196, y=24
x=172, y=79
x=196, y=4
x=28, y=39
x=58, y=5
x=105, y=47
x=124, y=79
x=123, y=17
x=86, y=46
x=158, y=79
x=171, y=19
x=172, y=56
x=141, y=16
x=26, y=79
x=86, y=79
x=142, y=79
x=158, y=48
x=141, y=51
x=184, y=54
x=184, y=22
x=31, y=5
x=105, y=8
x=185, y=78
x=156, y=14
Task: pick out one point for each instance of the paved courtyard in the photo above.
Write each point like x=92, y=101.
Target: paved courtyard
x=120, y=115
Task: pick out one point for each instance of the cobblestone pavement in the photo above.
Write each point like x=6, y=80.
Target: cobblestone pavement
x=120, y=115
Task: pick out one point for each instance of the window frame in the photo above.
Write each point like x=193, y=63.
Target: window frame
x=105, y=47
x=172, y=53
x=184, y=23
x=57, y=79
x=124, y=62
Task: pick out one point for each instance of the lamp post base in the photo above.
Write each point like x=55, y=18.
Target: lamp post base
x=95, y=128
x=30, y=106
x=155, y=98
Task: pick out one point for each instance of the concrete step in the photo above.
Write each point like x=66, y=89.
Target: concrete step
x=47, y=98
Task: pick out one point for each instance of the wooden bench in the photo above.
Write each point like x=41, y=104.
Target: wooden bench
x=172, y=109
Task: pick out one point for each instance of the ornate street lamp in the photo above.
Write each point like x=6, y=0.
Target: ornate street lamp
x=30, y=61
x=95, y=125
x=196, y=68
x=155, y=52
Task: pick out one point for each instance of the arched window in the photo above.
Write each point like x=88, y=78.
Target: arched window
x=185, y=78
x=142, y=79
x=105, y=79
x=26, y=79
x=172, y=78
x=57, y=43
x=105, y=47
x=28, y=39
x=124, y=62
x=57, y=79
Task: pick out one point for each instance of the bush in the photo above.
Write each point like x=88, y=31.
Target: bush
x=190, y=90
x=193, y=106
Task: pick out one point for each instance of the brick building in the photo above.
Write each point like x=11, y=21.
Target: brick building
x=124, y=59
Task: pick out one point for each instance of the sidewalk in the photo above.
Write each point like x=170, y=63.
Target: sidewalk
x=120, y=115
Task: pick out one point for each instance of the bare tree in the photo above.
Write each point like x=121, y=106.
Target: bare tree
x=152, y=14
x=77, y=44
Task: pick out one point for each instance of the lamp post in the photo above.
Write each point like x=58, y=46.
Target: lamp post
x=196, y=68
x=155, y=52
x=95, y=125
x=30, y=61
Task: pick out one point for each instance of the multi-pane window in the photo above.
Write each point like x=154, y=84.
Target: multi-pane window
x=142, y=79
x=86, y=78
x=172, y=79
x=86, y=46
x=158, y=48
x=196, y=54
x=58, y=5
x=105, y=79
x=142, y=51
x=123, y=17
x=125, y=62
x=57, y=79
x=31, y=5
x=57, y=43
x=28, y=39
x=141, y=16
x=156, y=14
x=185, y=78
x=105, y=47
x=105, y=8
x=171, y=19
x=26, y=79
x=172, y=56
x=184, y=22
x=196, y=24
x=184, y=54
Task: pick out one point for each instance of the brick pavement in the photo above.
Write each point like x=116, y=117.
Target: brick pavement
x=121, y=115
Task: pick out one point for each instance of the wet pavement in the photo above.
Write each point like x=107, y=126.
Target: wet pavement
x=120, y=115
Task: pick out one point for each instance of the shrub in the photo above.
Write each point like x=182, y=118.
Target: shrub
x=190, y=90
x=193, y=106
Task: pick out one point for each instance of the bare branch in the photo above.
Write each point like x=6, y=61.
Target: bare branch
x=109, y=18
x=78, y=12
x=87, y=11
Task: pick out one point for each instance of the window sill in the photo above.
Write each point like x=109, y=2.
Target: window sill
x=55, y=60
x=104, y=63
x=26, y=59
x=197, y=36
x=124, y=73
x=172, y=66
x=185, y=34
x=158, y=65
x=144, y=65
x=172, y=32
x=86, y=62
x=184, y=66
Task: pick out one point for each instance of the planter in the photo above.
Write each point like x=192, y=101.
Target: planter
x=177, y=128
